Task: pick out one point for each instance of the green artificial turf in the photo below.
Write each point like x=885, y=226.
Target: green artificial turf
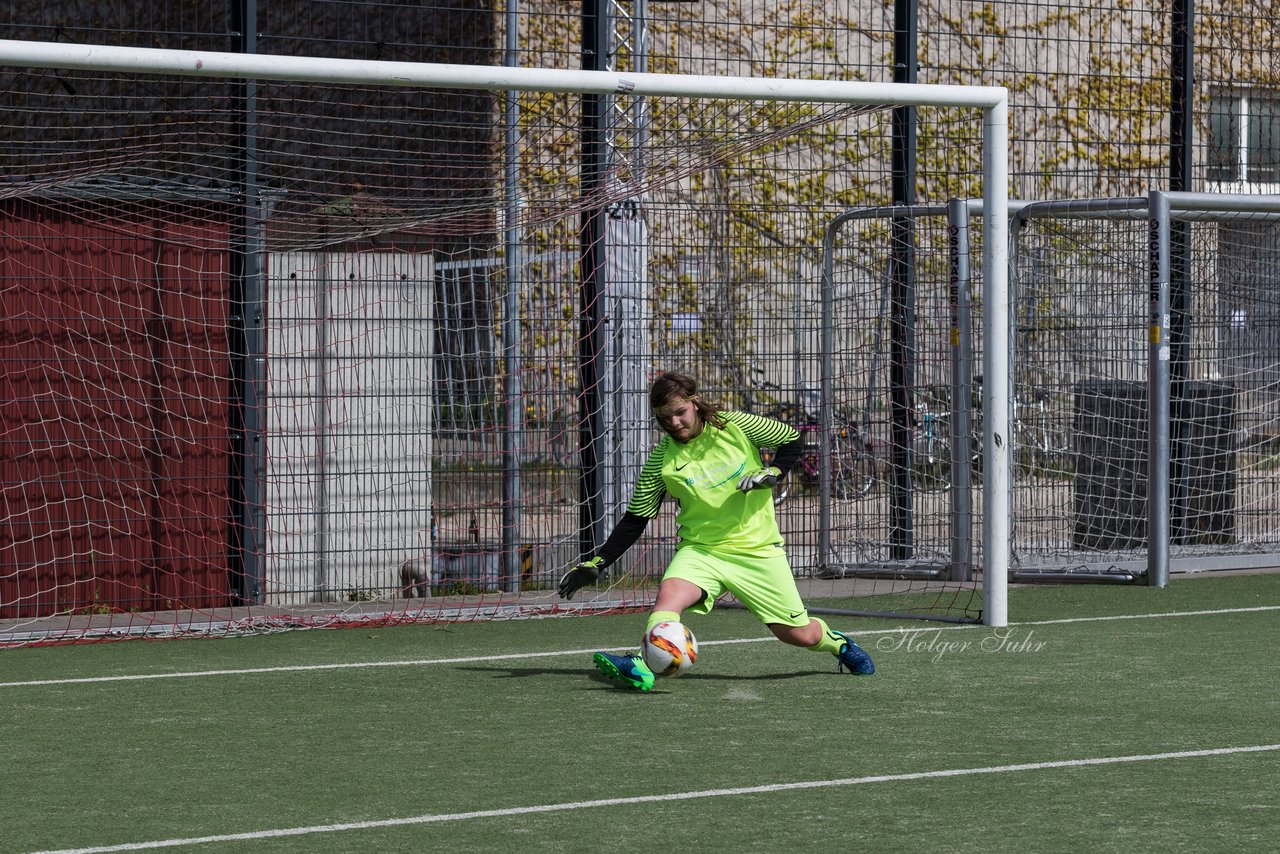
x=494, y=736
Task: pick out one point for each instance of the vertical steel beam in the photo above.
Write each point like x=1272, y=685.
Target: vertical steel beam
x=1181, y=165
x=246, y=571
x=513, y=435
x=596, y=34
x=902, y=283
x=1181, y=95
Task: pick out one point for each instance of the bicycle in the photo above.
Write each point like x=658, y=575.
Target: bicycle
x=852, y=465
x=929, y=439
x=931, y=450
x=1043, y=451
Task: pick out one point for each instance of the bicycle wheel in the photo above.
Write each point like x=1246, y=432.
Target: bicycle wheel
x=853, y=468
x=1041, y=455
x=931, y=463
x=1058, y=462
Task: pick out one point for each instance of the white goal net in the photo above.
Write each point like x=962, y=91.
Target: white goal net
x=293, y=341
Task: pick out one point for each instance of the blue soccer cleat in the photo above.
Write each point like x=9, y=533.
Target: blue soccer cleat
x=854, y=657
x=628, y=670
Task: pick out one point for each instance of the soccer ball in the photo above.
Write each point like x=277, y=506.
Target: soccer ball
x=669, y=648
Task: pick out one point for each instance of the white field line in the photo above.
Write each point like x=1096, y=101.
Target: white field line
x=517, y=656
x=667, y=798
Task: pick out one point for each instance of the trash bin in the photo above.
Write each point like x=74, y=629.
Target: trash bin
x=1110, y=482
x=1205, y=466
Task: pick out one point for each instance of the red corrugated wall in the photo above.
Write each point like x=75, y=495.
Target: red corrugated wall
x=114, y=375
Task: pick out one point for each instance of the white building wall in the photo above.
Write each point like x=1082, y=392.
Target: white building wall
x=349, y=422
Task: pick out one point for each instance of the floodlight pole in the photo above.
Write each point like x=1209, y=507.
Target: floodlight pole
x=612, y=239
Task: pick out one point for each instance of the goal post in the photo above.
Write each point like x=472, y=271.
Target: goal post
x=376, y=368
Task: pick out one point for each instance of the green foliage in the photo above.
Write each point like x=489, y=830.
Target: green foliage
x=1089, y=93
x=360, y=594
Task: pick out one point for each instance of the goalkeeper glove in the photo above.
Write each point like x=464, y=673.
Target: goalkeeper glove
x=587, y=572
x=766, y=478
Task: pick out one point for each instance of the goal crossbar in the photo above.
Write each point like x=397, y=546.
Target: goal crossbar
x=215, y=64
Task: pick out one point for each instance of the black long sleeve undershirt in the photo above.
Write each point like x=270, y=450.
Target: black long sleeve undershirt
x=624, y=536
x=787, y=455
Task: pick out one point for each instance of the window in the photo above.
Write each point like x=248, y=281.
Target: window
x=1244, y=137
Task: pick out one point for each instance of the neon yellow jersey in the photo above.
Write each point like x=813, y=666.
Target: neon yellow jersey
x=702, y=475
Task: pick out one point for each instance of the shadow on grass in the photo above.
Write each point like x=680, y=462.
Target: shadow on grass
x=500, y=672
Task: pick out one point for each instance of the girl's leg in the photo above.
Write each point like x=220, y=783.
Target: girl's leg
x=674, y=595
x=819, y=637
x=809, y=636
x=767, y=588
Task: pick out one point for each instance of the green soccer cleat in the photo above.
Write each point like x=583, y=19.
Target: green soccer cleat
x=628, y=670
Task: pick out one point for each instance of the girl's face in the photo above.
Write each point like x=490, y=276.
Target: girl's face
x=680, y=419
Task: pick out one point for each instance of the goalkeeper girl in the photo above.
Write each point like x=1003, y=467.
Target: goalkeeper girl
x=709, y=461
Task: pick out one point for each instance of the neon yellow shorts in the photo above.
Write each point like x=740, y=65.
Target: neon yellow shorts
x=764, y=585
